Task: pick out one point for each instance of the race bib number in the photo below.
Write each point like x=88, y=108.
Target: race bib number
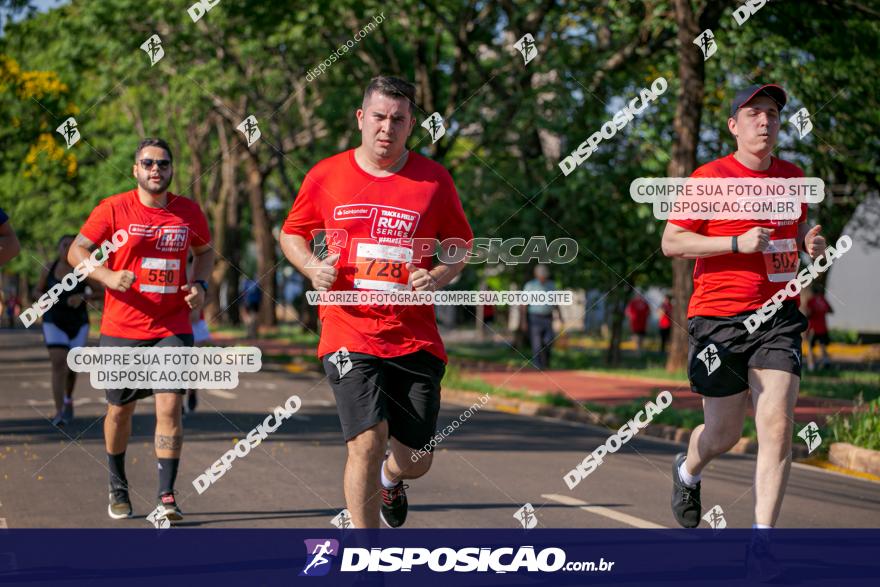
x=382, y=267
x=159, y=275
x=781, y=259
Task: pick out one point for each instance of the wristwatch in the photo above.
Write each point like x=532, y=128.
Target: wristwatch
x=203, y=283
x=734, y=246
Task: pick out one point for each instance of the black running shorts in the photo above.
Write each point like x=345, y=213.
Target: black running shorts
x=404, y=391
x=721, y=350
x=120, y=397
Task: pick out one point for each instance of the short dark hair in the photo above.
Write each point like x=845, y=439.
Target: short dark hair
x=393, y=87
x=150, y=142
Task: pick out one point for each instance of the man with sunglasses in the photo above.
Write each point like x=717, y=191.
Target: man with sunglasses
x=147, y=303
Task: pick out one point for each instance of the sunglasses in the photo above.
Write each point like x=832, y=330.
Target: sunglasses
x=162, y=163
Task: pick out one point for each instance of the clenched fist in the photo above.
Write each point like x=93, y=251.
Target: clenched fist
x=814, y=242
x=119, y=280
x=421, y=279
x=322, y=273
x=755, y=240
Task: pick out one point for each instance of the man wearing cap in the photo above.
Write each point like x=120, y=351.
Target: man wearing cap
x=738, y=269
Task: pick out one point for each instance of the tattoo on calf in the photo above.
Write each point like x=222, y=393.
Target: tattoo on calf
x=169, y=442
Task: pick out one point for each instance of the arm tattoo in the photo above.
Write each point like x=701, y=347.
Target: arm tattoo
x=84, y=243
x=169, y=442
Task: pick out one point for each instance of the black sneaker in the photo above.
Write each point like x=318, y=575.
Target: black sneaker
x=120, y=504
x=67, y=413
x=191, y=401
x=168, y=508
x=394, y=505
x=686, y=505
x=58, y=420
x=761, y=565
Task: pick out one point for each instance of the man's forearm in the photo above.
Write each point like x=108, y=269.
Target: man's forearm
x=297, y=250
x=202, y=265
x=443, y=273
x=78, y=253
x=9, y=247
x=690, y=245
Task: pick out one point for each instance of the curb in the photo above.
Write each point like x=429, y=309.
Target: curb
x=665, y=431
x=853, y=457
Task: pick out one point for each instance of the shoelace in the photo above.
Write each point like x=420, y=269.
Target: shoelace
x=390, y=495
x=687, y=493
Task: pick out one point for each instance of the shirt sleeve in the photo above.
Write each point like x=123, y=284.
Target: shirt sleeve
x=304, y=217
x=199, y=227
x=691, y=224
x=99, y=225
x=3, y=217
x=454, y=223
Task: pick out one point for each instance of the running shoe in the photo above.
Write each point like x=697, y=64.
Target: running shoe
x=761, y=565
x=191, y=401
x=394, y=505
x=67, y=413
x=168, y=508
x=120, y=504
x=58, y=420
x=686, y=505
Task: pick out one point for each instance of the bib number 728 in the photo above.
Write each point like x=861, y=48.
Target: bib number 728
x=384, y=268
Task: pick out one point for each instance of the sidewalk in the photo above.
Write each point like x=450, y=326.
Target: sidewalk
x=606, y=389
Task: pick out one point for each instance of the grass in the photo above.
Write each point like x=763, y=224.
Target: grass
x=861, y=428
x=285, y=332
x=835, y=383
x=454, y=380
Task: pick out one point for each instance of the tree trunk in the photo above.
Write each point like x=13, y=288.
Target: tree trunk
x=686, y=125
x=616, y=306
x=265, y=242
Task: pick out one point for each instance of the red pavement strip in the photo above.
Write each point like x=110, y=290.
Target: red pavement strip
x=586, y=386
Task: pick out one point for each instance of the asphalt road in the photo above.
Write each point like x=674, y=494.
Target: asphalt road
x=491, y=466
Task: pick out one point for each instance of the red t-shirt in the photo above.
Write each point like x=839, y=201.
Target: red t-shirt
x=665, y=315
x=637, y=311
x=818, y=307
x=734, y=283
x=158, y=242
x=370, y=216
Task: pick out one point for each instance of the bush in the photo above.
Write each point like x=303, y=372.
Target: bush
x=861, y=428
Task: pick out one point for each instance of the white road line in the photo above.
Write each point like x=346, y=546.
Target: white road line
x=222, y=393
x=81, y=401
x=3, y=523
x=602, y=511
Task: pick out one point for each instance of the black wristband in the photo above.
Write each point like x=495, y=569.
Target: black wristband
x=203, y=283
x=734, y=245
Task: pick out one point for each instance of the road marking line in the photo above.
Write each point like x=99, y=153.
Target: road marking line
x=3, y=523
x=602, y=511
x=222, y=393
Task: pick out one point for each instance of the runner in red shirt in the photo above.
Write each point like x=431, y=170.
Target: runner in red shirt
x=147, y=303
x=817, y=308
x=637, y=311
x=665, y=322
x=385, y=363
x=740, y=265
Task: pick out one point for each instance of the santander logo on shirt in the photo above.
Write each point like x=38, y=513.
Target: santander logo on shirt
x=389, y=223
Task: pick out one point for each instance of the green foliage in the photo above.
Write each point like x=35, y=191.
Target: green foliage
x=861, y=428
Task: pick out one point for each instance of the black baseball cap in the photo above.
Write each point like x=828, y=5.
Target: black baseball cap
x=746, y=95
